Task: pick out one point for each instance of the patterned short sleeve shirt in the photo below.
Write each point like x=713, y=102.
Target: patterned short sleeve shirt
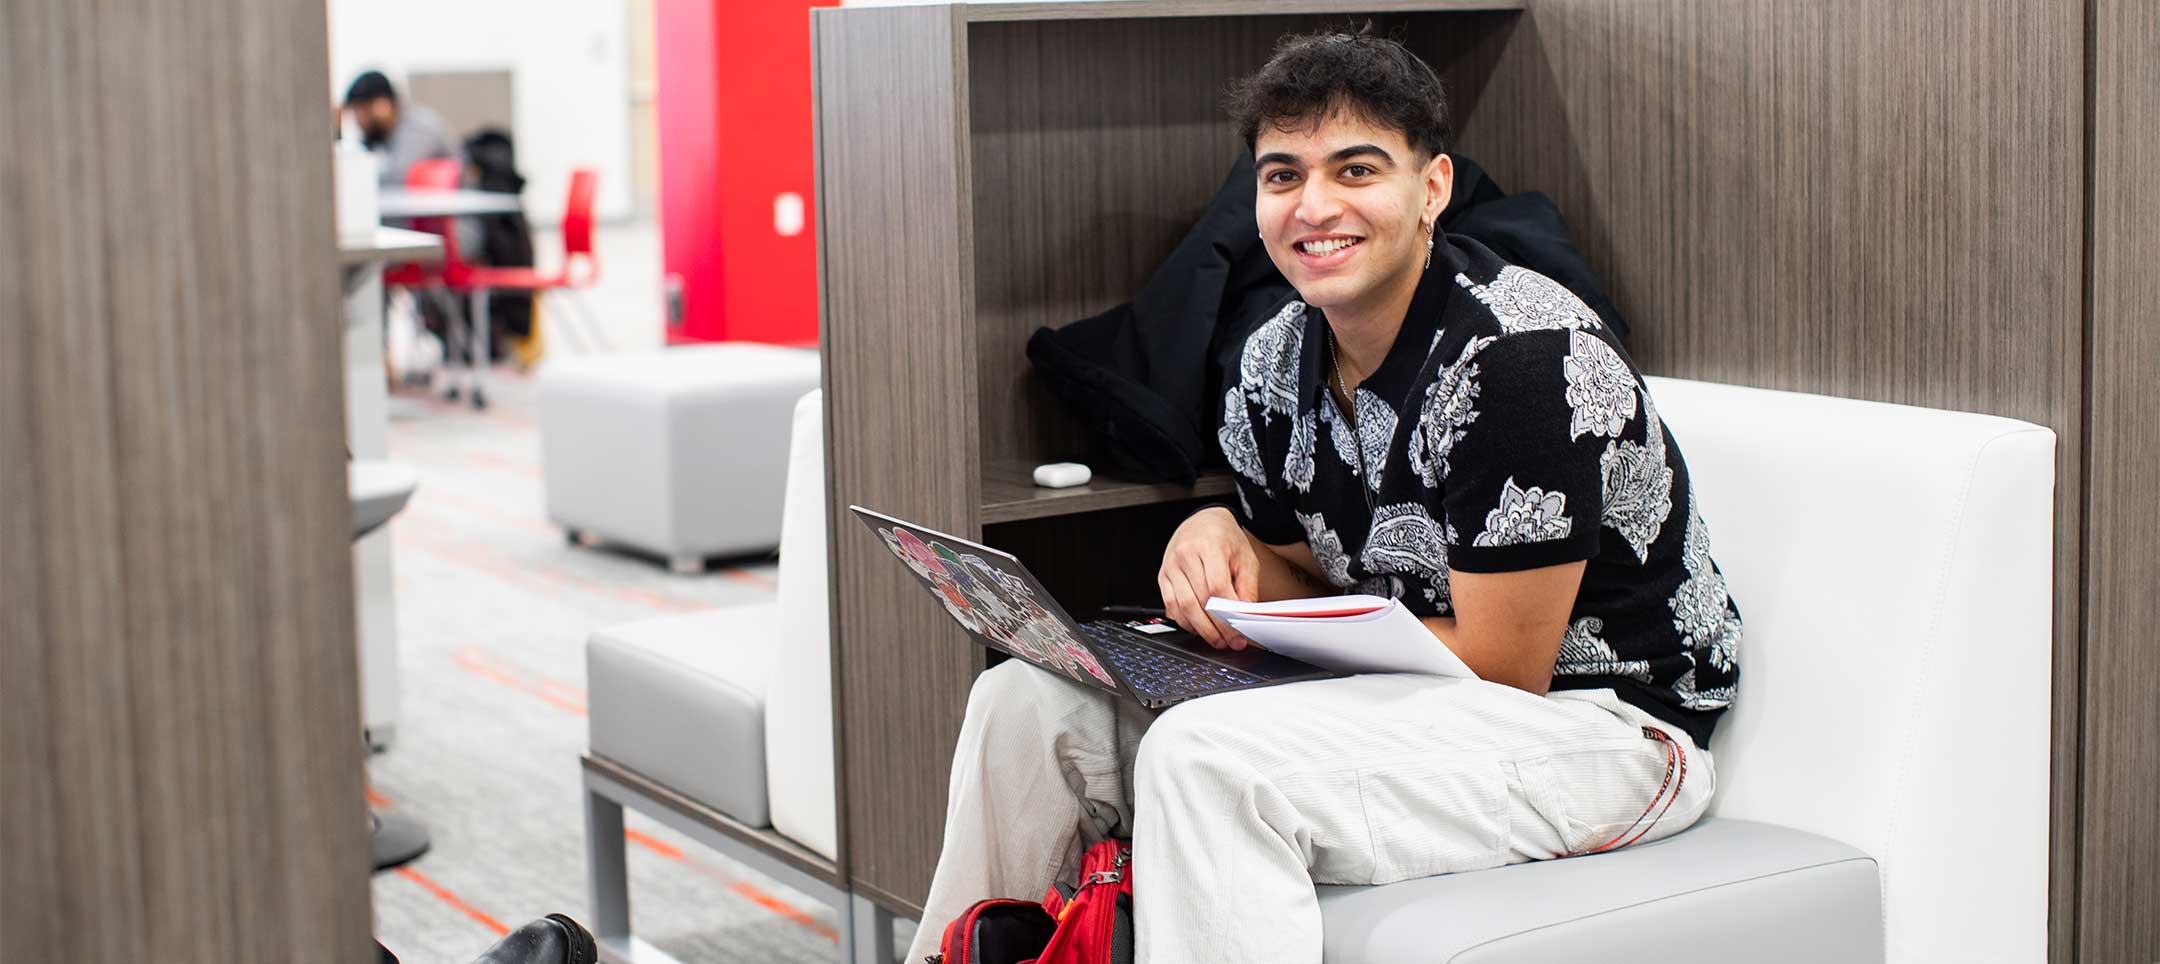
x=1505, y=430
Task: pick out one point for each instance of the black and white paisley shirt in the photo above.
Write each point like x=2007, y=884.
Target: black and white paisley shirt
x=1506, y=430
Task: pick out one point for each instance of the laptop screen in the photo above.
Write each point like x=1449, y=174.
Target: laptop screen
x=992, y=596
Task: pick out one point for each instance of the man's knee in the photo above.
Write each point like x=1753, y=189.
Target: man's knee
x=1016, y=696
x=1228, y=742
x=1007, y=686
x=1188, y=739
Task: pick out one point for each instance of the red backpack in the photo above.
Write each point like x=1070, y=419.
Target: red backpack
x=1089, y=922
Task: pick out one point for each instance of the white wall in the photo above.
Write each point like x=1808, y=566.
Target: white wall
x=568, y=61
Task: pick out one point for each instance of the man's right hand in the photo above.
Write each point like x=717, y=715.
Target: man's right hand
x=1208, y=555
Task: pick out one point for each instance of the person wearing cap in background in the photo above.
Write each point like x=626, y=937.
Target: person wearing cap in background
x=397, y=132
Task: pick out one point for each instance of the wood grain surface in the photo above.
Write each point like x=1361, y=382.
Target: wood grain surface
x=899, y=341
x=2119, y=879
x=1095, y=145
x=1155, y=9
x=1857, y=199
x=1010, y=493
x=1824, y=196
x=1097, y=559
x=182, y=763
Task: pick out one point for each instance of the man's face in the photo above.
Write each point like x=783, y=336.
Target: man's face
x=376, y=118
x=1341, y=205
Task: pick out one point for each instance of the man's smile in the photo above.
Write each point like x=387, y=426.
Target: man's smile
x=1328, y=251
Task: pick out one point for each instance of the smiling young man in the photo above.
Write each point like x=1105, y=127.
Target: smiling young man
x=1424, y=422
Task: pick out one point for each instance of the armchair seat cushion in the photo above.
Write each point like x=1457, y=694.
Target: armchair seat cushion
x=681, y=699
x=1724, y=890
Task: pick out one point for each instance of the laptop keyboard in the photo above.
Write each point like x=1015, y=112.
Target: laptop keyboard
x=1161, y=672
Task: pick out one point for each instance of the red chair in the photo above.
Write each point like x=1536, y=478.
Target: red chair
x=433, y=174
x=580, y=266
x=453, y=274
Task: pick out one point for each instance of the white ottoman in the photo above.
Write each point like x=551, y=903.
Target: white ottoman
x=680, y=451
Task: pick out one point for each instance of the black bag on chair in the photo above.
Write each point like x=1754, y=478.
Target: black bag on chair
x=505, y=240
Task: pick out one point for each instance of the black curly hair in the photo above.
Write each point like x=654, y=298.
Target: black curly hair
x=1315, y=74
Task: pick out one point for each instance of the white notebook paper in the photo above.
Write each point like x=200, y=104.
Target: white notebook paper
x=1347, y=634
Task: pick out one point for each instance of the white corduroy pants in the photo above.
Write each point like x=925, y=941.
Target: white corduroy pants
x=1238, y=803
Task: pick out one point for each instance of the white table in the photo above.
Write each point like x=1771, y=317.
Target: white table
x=403, y=203
x=367, y=428
x=379, y=489
x=389, y=244
x=361, y=258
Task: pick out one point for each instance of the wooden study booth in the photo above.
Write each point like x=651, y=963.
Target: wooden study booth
x=984, y=171
x=1877, y=201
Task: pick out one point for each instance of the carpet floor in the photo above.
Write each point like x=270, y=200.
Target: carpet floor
x=493, y=606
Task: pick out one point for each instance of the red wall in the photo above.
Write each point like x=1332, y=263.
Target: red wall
x=733, y=104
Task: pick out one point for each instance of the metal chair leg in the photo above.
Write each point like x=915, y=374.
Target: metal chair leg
x=455, y=331
x=482, y=353
x=872, y=929
x=607, y=872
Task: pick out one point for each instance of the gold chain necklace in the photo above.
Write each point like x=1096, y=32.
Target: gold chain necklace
x=1365, y=484
x=1342, y=385
x=1349, y=414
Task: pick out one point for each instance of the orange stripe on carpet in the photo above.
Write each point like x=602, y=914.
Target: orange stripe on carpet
x=750, y=892
x=481, y=663
x=742, y=888
x=654, y=844
x=560, y=703
x=563, y=694
x=528, y=575
x=491, y=460
x=474, y=660
x=447, y=896
x=758, y=579
x=571, y=707
x=435, y=497
x=376, y=800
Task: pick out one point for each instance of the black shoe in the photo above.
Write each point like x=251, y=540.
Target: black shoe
x=554, y=939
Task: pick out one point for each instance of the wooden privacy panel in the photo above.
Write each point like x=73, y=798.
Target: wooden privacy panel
x=1096, y=145
x=900, y=408
x=1044, y=168
x=1872, y=200
x=2119, y=877
x=1859, y=199
x=181, y=778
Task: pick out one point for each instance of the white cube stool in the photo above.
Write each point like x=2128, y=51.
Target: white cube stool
x=680, y=451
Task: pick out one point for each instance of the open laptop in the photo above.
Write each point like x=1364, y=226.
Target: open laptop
x=1000, y=603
